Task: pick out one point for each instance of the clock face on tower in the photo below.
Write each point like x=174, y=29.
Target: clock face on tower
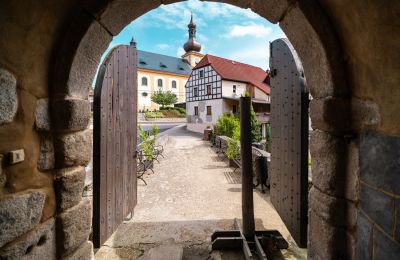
x=196, y=60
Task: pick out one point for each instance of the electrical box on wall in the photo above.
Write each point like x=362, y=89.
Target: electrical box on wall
x=17, y=156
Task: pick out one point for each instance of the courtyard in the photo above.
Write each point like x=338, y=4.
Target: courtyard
x=192, y=193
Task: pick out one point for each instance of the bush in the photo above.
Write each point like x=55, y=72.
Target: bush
x=181, y=110
x=154, y=114
x=226, y=125
x=233, y=149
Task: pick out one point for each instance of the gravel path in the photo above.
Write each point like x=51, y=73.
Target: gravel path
x=192, y=193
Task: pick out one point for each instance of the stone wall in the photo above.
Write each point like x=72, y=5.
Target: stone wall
x=379, y=212
x=48, y=56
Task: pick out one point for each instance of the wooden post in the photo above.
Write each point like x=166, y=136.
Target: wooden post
x=247, y=169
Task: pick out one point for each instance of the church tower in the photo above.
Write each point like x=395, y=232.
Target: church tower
x=192, y=47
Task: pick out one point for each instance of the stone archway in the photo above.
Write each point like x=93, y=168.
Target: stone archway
x=314, y=38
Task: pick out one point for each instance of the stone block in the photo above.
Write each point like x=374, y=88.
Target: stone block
x=330, y=114
x=352, y=184
x=121, y=12
x=42, y=115
x=85, y=251
x=8, y=97
x=3, y=177
x=19, y=213
x=397, y=231
x=325, y=241
x=378, y=206
x=70, y=114
x=73, y=149
x=328, y=154
x=335, y=211
x=39, y=243
x=385, y=247
x=46, y=156
x=319, y=52
x=364, y=113
x=69, y=183
x=379, y=161
x=73, y=227
x=272, y=10
x=364, y=238
x=237, y=3
x=86, y=59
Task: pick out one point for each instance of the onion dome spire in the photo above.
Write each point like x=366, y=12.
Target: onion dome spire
x=192, y=44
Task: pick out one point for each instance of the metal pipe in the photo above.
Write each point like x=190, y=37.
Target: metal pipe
x=247, y=169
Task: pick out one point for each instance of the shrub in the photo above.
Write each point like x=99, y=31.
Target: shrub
x=255, y=126
x=181, y=110
x=226, y=125
x=153, y=114
x=233, y=149
x=146, y=145
x=172, y=113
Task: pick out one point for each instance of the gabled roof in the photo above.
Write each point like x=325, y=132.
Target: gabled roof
x=159, y=62
x=236, y=71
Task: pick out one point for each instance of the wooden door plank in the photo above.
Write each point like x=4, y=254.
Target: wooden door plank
x=287, y=173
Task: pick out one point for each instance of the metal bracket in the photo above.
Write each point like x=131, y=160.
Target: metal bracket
x=270, y=240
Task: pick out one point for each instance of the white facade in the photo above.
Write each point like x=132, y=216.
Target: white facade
x=202, y=116
x=233, y=89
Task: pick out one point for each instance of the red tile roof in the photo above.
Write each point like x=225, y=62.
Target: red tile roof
x=236, y=71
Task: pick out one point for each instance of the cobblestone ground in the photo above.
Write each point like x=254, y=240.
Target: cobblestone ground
x=192, y=193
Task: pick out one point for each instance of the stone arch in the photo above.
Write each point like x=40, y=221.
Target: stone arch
x=314, y=37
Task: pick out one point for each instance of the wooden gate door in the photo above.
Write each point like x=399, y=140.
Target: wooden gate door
x=114, y=142
x=289, y=139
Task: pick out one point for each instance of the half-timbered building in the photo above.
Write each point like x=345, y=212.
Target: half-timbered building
x=215, y=86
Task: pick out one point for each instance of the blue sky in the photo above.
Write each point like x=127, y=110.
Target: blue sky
x=223, y=30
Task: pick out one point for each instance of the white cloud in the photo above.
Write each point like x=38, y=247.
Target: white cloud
x=252, y=30
x=257, y=55
x=162, y=46
x=180, y=51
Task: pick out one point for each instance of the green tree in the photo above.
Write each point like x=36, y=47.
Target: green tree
x=164, y=98
x=226, y=125
x=255, y=126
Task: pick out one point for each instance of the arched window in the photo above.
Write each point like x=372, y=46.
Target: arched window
x=173, y=83
x=144, y=81
x=159, y=83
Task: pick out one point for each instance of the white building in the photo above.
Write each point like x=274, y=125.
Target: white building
x=215, y=86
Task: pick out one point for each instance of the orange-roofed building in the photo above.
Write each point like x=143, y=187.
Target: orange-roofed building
x=215, y=86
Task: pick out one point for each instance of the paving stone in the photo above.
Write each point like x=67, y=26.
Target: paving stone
x=73, y=149
x=84, y=252
x=19, y=213
x=174, y=252
x=364, y=235
x=73, y=227
x=378, y=206
x=379, y=161
x=69, y=183
x=46, y=156
x=42, y=115
x=385, y=248
x=39, y=243
x=70, y=114
x=8, y=97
